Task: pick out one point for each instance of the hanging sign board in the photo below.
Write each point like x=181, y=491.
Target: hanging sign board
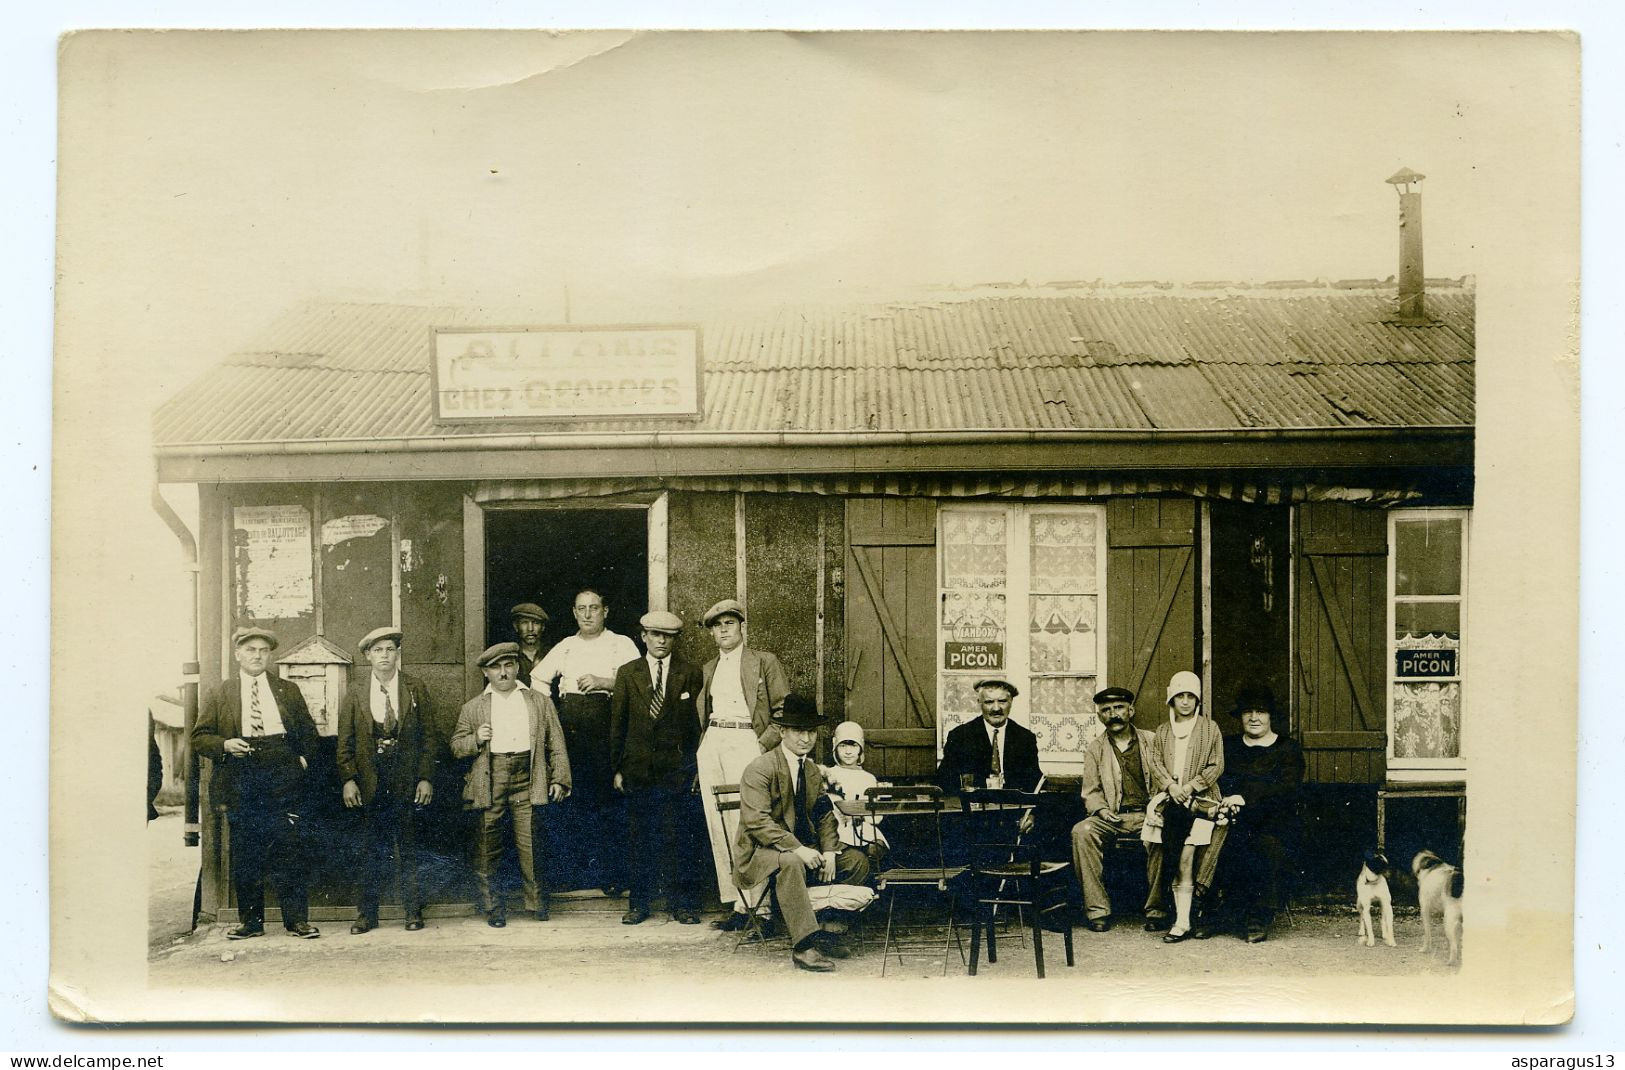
x=1425, y=663
x=987, y=656
x=566, y=373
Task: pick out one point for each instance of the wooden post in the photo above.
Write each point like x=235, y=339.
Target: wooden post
x=473, y=592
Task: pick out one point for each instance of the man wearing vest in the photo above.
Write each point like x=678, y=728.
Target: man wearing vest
x=259, y=736
x=386, y=758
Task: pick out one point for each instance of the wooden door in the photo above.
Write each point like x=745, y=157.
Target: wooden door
x=1151, y=603
x=1341, y=578
x=891, y=584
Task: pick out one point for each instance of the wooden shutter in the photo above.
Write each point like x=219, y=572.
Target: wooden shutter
x=1150, y=598
x=891, y=586
x=1342, y=588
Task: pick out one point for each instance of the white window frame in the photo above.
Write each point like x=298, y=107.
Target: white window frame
x=1017, y=592
x=1426, y=768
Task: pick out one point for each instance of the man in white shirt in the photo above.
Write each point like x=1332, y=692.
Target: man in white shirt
x=587, y=833
x=259, y=736
x=513, y=735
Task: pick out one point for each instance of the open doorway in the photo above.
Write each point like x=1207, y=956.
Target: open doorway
x=1250, y=612
x=546, y=555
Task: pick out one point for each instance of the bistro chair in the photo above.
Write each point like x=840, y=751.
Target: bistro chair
x=918, y=803
x=1007, y=871
x=758, y=913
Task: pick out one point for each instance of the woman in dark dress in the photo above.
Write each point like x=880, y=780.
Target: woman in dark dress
x=1263, y=774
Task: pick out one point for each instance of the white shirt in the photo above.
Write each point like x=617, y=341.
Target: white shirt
x=510, y=720
x=795, y=761
x=728, y=687
x=656, y=673
x=1182, y=744
x=575, y=655
x=270, y=715
x=378, y=689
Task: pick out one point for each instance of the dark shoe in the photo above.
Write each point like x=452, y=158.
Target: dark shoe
x=304, y=930
x=833, y=947
x=732, y=923
x=613, y=891
x=1176, y=938
x=245, y=932
x=498, y=918
x=1256, y=936
x=1157, y=925
x=414, y=924
x=810, y=958
x=1055, y=921
x=835, y=926
x=635, y=916
x=685, y=917
x=363, y=925
x=543, y=913
x=1098, y=925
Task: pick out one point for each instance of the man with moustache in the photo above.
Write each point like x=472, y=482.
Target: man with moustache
x=513, y=735
x=743, y=688
x=259, y=736
x=588, y=830
x=1116, y=788
x=528, y=620
x=654, y=733
x=783, y=832
x=386, y=759
x=993, y=750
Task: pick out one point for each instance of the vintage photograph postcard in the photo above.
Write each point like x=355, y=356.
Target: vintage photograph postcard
x=824, y=527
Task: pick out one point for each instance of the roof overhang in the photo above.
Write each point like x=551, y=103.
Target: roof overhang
x=689, y=454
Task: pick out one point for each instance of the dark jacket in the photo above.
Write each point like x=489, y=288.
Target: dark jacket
x=1269, y=779
x=968, y=750
x=222, y=718
x=416, y=745
x=655, y=751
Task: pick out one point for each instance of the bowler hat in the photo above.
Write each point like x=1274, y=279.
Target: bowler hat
x=658, y=620
x=496, y=652
x=243, y=635
x=386, y=632
x=529, y=609
x=727, y=605
x=996, y=682
x=799, y=712
x=1254, y=697
x=1114, y=694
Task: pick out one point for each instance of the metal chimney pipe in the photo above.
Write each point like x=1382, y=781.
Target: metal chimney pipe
x=1412, y=287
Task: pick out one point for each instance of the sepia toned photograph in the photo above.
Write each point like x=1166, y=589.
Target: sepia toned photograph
x=638, y=527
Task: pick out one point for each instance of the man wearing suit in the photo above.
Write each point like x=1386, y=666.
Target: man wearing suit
x=1116, y=788
x=785, y=835
x=654, y=732
x=528, y=620
x=992, y=750
x=259, y=736
x=743, y=688
x=386, y=759
x=513, y=735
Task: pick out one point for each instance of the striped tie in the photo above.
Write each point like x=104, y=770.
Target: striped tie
x=657, y=697
x=998, y=765
x=256, y=717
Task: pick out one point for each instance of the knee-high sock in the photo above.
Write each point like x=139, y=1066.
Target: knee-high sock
x=1182, y=907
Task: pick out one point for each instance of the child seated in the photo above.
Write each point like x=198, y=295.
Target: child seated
x=847, y=779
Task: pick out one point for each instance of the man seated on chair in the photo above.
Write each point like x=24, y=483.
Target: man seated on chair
x=783, y=833
x=992, y=751
x=1116, y=789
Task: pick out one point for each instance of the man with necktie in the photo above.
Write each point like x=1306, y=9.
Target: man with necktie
x=993, y=751
x=258, y=735
x=784, y=833
x=386, y=758
x=654, y=732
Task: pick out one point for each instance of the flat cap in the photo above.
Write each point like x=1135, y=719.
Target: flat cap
x=1114, y=694
x=799, y=712
x=994, y=681
x=531, y=610
x=243, y=635
x=727, y=605
x=498, y=651
x=386, y=632
x=658, y=620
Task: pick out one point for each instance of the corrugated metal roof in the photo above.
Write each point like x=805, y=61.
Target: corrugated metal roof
x=1108, y=358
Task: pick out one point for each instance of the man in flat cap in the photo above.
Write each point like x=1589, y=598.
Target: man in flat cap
x=1117, y=785
x=513, y=735
x=993, y=750
x=528, y=620
x=742, y=690
x=654, y=733
x=588, y=831
x=259, y=736
x=386, y=757
x=783, y=833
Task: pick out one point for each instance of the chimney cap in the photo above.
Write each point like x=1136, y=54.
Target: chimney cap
x=1403, y=176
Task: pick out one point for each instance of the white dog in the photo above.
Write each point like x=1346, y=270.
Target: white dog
x=1438, y=891
x=1370, y=891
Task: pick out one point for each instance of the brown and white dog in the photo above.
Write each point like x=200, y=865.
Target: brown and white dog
x=1371, y=892
x=1438, y=891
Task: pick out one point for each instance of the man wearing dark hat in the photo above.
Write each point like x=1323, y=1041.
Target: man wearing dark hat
x=528, y=620
x=1116, y=788
x=259, y=736
x=513, y=735
x=654, y=732
x=782, y=834
x=386, y=759
x=993, y=750
x=742, y=690
x=1263, y=775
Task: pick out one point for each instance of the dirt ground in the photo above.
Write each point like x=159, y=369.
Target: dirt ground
x=586, y=935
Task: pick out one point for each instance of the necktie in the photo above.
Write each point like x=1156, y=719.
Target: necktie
x=998, y=766
x=803, y=830
x=389, y=710
x=657, y=697
x=256, y=718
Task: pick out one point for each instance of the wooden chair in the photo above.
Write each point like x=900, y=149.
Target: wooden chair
x=1005, y=871
x=918, y=802
x=758, y=913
